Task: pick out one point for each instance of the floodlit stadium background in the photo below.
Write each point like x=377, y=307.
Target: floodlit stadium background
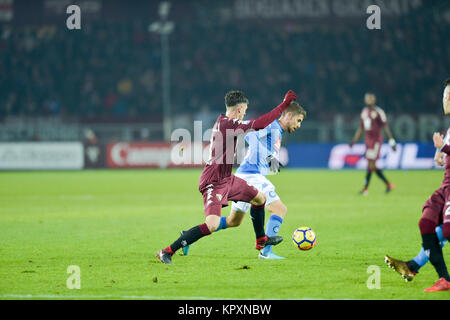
x=111, y=93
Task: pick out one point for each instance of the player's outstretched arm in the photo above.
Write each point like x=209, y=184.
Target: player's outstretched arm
x=356, y=137
x=266, y=119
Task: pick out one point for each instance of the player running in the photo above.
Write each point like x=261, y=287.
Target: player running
x=435, y=215
x=373, y=119
x=217, y=184
x=263, y=159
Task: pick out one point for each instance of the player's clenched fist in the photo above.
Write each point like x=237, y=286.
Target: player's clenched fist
x=290, y=96
x=438, y=140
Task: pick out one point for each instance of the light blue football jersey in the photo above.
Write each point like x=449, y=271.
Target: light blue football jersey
x=262, y=144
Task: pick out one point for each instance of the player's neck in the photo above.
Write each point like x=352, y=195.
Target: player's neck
x=231, y=115
x=282, y=124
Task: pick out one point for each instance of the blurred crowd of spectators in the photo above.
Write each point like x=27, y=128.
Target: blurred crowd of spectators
x=113, y=70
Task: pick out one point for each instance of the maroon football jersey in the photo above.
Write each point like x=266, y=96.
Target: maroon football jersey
x=446, y=149
x=222, y=149
x=224, y=139
x=372, y=121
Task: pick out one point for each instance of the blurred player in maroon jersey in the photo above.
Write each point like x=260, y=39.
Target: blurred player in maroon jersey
x=217, y=184
x=373, y=122
x=435, y=216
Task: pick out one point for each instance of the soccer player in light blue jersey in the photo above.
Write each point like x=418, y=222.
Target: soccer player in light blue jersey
x=261, y=160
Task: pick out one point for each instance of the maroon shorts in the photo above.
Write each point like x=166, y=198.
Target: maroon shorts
x=216, y=196
x=373, y=148
x=435, y=208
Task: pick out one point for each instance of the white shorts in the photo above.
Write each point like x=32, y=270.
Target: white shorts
x=262, y=184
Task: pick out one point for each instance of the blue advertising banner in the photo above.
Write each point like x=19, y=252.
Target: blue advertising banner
x=341, y=156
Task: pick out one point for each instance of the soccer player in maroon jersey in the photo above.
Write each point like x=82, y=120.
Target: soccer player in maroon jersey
x=373, y=121
x=435, y=212
x=217, y=184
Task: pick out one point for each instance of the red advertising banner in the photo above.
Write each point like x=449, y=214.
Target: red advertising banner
x=155, y=155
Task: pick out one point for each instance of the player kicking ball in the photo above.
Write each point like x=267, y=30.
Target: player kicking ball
x=217, y=184
x=263, y=159
x=373, y=121
x=435, y=216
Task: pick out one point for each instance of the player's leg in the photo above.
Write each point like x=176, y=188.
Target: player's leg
x=421, y=259
x=277, y=211
x=257, y=214
x=408, y=269
x=223, y=224
x=372, y=152
x=373, y=155
x=237, y=214
x=240, y=190
x=431, y=210
x=430, y=242
x=213, y=199
x=188, y=237
x=389, y=186
x=370, y=166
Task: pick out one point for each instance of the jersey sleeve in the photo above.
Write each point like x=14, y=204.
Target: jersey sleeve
x=382, y=117
x=276, y=142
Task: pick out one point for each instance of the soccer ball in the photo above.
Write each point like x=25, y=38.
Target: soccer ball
x=304, y=238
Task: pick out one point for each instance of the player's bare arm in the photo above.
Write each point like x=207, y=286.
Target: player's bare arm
x=439, y=158
x=357, y=136
x=438, y=140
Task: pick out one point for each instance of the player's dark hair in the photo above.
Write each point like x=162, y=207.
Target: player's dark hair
x=447, y=82
x=235, y=97
x=295, y=109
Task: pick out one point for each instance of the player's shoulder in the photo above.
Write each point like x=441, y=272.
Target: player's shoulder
x=274, y=125
x=364, y=111
x=232, y=121
x=381, y=113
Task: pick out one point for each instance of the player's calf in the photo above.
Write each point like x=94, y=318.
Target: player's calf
x=235, y=218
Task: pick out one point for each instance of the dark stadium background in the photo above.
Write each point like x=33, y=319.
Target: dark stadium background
x=104, y=83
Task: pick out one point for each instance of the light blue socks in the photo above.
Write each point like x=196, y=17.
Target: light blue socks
x=272, y=228
x=422, y=258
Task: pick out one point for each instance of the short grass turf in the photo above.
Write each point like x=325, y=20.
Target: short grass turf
x=111, y=224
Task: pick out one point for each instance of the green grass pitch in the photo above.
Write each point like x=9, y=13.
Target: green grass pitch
x=111, y=223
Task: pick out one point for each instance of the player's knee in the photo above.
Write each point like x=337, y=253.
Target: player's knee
x=278, y=208
x=212, y=222
x=427, y=226
x=212, y=227
x=259, y=200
